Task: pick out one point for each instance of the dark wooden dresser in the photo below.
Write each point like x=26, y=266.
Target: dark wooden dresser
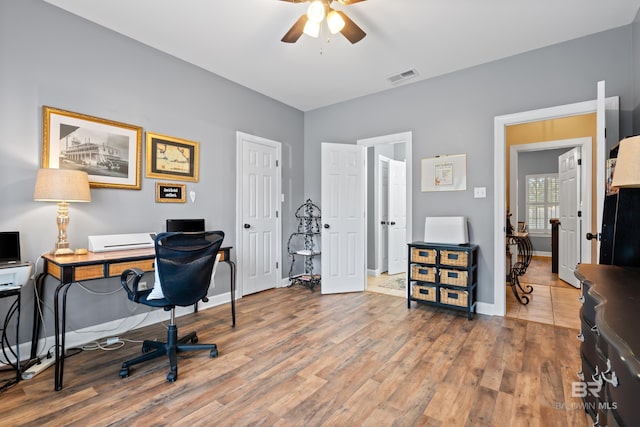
x=609, y=381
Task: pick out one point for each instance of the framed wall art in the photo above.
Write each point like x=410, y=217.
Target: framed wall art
x=109, y=151
x=444, y=173
x=172, y=158
x=167, y=192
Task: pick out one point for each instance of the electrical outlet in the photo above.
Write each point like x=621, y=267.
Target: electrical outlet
x=142, y=286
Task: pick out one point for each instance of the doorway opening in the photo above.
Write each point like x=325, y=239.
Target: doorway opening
x=608, y=107
x=385, y=243
x=553, y=300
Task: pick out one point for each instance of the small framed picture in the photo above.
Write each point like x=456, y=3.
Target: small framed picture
x=171, y=193
x=172, y=158
x=109, y=151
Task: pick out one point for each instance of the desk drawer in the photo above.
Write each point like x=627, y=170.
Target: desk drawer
x=88, y=272
x=117, y=268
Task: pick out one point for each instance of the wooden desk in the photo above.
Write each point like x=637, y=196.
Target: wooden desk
x=69, y=269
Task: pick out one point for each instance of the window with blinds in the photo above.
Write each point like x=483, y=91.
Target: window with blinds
x=542, y=201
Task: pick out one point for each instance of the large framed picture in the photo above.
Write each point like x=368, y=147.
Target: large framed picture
x=172, y=158
x=109, y=151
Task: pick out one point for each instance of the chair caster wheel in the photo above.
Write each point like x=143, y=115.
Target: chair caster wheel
x=124, y=372
x=213, y=354
x=145, y=349
x=172, y=377
x=194, y=340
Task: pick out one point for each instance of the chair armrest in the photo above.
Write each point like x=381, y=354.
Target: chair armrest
x=129, y=280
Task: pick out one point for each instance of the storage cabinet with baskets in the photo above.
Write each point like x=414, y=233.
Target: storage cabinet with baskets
x=443, y=275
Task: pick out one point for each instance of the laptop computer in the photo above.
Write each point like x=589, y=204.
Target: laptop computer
x=185, y=225
x=9, y=248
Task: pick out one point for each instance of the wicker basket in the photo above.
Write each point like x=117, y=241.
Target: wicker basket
x=453, y=277
x=456, y=258
x=426, y=256
x=454, y=297
x=422, y=273
x=424, y=293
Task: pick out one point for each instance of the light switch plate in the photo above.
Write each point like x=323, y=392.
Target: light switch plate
x=480, y=192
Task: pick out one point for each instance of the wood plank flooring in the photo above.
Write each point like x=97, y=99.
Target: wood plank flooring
x=299, y=358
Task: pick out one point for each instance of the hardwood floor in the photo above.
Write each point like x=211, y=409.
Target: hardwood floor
x=376, y=284
x=299, y=358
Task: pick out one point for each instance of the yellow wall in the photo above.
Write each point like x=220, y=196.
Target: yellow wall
x=551, y=130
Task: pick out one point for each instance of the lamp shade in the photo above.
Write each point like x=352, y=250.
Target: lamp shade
x=627, y=170
x=335, y=22
x=62, y=185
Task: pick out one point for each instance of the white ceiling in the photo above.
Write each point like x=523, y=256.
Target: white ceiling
x=240, y=39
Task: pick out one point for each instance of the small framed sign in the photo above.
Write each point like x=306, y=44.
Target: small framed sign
x=444, y=173
x=167, y=192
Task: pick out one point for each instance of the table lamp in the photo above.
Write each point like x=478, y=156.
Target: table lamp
x=627, y=171
x=62, y=186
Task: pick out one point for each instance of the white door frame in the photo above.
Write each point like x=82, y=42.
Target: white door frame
x=585, y=145
x=499, y=177
x=397, y=138
x=240, y=138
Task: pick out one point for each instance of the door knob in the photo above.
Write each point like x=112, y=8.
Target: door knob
x=392, y=223
x=247, y=226
x=591, y=236
x=383, y=222
x=326, y=226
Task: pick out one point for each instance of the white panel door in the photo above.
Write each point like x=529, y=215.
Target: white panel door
x=397, y=217
x=259, y=263
x=570, y=224
x=383, y=213
x=343, y=195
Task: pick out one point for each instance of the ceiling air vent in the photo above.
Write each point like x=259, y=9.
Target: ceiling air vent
x=400, y=77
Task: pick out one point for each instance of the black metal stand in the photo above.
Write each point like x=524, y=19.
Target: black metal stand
x=303, y=244
x=7, y=350
x=519, y=268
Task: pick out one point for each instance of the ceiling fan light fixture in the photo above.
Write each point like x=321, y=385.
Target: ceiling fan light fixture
x=312, y=29
x=335, y=22
x=315, y=13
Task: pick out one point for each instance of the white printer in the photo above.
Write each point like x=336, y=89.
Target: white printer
x=446, y=229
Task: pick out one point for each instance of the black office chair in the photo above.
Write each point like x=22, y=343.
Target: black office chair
x=184, y=262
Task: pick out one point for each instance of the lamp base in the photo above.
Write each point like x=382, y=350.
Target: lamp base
x=62, y=251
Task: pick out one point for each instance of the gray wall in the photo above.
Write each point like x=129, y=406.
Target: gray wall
x=50, y=57
x=454, y=114
x=531, y=163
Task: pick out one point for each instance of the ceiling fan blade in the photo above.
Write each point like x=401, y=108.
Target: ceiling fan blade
x=302, y=1
x=296, y=30
x=345, y=1
x=351, y=31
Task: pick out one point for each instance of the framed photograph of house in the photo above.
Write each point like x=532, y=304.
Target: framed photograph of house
x=110, y=152
x=172, y=158
x=170, y=193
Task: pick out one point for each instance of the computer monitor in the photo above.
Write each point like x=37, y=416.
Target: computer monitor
x=9, y=246
x=185, y=225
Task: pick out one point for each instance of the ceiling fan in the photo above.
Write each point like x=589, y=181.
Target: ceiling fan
x=337, y=21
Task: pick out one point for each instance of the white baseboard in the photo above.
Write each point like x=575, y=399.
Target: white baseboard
x=485, y=308
x=374, y=272
x=119, y=327
x=542, y=253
